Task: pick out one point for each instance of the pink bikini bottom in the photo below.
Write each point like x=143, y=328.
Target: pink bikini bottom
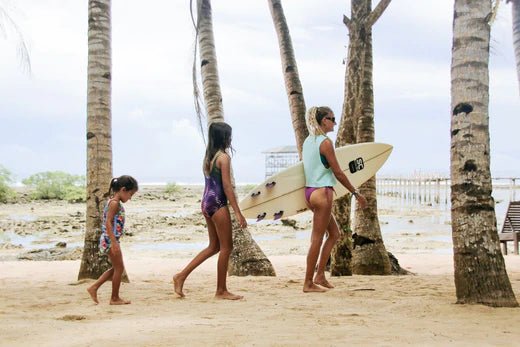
x=309, y=190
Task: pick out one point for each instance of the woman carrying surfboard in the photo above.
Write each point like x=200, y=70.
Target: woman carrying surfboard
x=322, y=169
x=219, y=189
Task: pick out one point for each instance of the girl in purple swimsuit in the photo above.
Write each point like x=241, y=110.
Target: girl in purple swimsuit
x=219, y=189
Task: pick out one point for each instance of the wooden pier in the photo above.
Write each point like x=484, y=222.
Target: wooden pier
x=434, y=190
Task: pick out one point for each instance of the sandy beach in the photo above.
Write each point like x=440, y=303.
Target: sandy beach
x=42, y=303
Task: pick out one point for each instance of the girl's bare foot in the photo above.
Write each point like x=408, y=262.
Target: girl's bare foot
x=178, y=283
x=93, y=294
x=228, y=296
x=119, y=301
x=322, y=281
x=312, y=288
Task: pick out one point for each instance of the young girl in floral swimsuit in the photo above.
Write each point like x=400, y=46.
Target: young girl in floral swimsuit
x=121, y=190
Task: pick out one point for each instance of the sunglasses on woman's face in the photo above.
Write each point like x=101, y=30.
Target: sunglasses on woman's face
x=332, y=119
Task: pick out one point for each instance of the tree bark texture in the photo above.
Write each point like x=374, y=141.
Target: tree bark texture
x=293, y=85
x=480, y=273
x=341, y=256
x=246, y=258
x=208, y=64
x=370, y=258
x=99, y=138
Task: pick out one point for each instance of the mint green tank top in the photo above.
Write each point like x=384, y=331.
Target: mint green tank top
x=316, y=174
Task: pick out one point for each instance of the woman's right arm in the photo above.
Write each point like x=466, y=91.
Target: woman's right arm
x=327, y=149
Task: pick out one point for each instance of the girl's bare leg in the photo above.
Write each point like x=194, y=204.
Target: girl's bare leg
x=333, y=236
x=222, y=221
x=92, y=290
x=118, y=266
x=212, y=249
x=321, y=203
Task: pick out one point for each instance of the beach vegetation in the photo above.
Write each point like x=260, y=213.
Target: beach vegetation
x=57, y=185
x=6, y=179
x=172, y=188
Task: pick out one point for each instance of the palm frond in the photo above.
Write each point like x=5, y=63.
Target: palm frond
x=6, y=22
x=198, y=101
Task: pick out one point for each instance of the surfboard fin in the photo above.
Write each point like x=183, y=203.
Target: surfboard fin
x=278, y=215
x=260, y=217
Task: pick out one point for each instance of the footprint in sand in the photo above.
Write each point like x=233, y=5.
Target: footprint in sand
x=72, y=317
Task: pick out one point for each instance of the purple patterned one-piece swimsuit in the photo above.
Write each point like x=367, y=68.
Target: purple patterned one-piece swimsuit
x=214, y=196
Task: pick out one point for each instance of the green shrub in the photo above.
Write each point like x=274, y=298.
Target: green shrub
x=6, y=192
x=172, y=188
x=75, y=194
x=56, y=185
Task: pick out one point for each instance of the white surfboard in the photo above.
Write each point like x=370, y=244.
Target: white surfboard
x=283, y=195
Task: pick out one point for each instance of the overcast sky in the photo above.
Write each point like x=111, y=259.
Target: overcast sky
x=155, y=133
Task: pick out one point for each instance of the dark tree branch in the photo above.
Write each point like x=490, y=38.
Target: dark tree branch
x=377, y=12
x=347, y=21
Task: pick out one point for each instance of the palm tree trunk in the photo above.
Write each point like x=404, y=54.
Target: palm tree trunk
x=208, y=64
x=341, y=256
x=293, y=85
x=370, y=258
x=516, y=35
x=480, y=273
x=246, y=258
x=99, y=138
x=358, y=118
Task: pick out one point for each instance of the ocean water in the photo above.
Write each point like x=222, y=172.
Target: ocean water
x=407, y=212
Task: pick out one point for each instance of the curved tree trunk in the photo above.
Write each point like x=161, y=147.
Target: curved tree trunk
x=480, y=273
x=99, y=138
x=290, y=73
x=516, y=35
x=246, y=258
x=358, y=119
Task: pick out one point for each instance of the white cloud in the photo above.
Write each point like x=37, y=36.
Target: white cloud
x=155, y=134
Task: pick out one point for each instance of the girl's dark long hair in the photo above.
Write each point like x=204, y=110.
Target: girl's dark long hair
x=219, y=138
x=124, y=181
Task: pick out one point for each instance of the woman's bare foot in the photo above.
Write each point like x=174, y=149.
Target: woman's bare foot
x=119, y=301
x=228, y=296
x=322, y=281
x=178, y=283
x=93, y=294
x=312, y=288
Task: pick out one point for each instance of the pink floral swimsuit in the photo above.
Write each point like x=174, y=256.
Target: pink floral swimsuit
x=117, y=228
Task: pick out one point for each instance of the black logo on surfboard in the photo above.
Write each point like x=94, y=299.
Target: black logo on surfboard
x=356, y=165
